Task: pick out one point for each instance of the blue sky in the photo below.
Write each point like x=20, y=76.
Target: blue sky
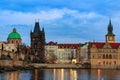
x=65, y=21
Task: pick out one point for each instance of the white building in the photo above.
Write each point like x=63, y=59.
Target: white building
x=51, y=52
x=61, y=53
x=84, y=53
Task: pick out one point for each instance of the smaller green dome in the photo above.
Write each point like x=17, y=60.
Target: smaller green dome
x=14, y=35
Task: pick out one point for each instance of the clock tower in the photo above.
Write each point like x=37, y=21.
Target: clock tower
x=110, y=37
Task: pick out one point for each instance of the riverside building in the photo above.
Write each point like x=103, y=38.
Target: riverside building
x=62, y=53
x=105, y=54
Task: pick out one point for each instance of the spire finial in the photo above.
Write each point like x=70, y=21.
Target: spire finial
x=36, y=20
x=14, y=29
x=110, y=20
x=110, y=28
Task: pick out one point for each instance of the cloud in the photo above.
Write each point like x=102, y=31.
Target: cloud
x=61, y=25
x=12, y=17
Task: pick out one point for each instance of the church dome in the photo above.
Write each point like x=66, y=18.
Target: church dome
x=14, y=35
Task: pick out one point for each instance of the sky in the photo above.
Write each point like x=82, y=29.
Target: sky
x=64, y=21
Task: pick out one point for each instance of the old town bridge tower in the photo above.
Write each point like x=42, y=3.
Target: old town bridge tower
x=38, y=43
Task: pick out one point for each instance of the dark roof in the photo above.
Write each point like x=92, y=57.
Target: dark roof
x=52, y=43
x=110, y=29
x=37, y=28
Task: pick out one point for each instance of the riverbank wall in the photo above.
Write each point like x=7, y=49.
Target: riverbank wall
x=76, y=66
x=18, y=65
x=105, y=67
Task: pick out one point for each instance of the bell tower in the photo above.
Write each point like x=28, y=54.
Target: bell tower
x=110, y=37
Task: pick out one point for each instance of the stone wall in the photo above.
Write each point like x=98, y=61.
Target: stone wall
x=10, y=63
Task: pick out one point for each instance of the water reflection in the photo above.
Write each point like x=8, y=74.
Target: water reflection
x=37, y=74
x=98, y=74
x=13, y=75
x=62, y=74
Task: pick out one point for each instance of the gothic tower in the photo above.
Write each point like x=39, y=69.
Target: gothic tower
x=38, y=43
x=110, y=37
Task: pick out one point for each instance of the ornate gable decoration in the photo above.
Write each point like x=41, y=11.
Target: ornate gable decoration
x=93, y=46
x=107, y=45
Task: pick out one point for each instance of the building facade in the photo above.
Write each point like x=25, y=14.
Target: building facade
x=62, y=53
x=51, y=52
x=38, y=43
x=105, y=54
x=84, y=53
x=68, y=53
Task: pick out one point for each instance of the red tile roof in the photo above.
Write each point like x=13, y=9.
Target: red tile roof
x=100, y=44
x=63, y=45
x=115, y=45
x=69, y=45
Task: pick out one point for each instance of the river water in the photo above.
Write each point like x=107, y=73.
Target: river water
x=62, y=74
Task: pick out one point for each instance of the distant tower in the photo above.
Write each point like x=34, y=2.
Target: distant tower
x=110, y=37
x=14, y=38
x=38, y=43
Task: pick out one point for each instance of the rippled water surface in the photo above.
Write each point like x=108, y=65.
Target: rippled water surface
x=62, y=74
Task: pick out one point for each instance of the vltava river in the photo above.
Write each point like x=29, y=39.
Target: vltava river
x=62, y=74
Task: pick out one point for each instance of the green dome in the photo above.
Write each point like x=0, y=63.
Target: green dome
x=14, y=35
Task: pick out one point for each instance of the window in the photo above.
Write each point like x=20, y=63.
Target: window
x=106, y=62
x=110, y=56
x=106, y=56
x=114, y=62
x=103, y=56
x=12, y=41
x=16, y=42
x=99, y=62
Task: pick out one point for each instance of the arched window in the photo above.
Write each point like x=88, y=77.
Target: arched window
x=114, y=62
x=99, y=62
x=103, y=56
x=106, y=62
x=17, y=42
x=106, y=56
x=110, y=56
x=12, y=41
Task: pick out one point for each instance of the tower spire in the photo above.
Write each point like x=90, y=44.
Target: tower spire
x=37, y=28
x=110, y=37
x=110, y=28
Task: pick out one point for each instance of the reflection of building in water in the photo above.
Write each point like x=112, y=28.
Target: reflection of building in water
x=64, y=74
x=73, y=74
x=98, y=74
x=37, y=75
x=13, y=75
